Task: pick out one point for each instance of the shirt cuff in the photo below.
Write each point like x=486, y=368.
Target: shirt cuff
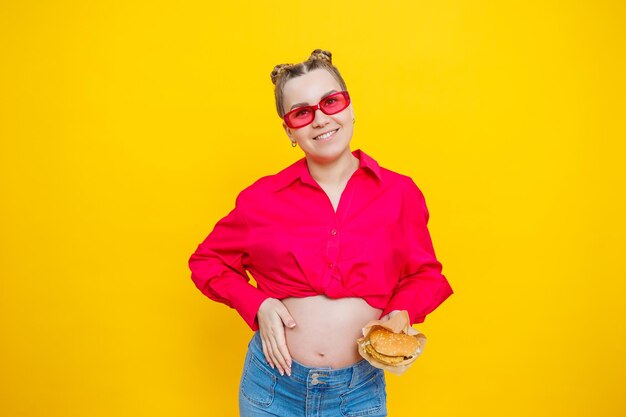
x=246, y=299
x=413, y=301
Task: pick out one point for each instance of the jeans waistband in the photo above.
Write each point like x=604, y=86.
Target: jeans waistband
x=324, y=377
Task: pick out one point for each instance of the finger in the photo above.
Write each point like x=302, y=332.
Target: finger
x=282, y=348
x=284, y=315
x=285, y=354
x=279, y=356
x=266, y=354
x=275, y=360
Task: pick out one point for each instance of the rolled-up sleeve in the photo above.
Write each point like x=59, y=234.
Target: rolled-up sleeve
x=218, y=266
x=421, y=287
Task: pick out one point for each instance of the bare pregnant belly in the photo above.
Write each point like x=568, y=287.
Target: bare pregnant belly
x=327, y=329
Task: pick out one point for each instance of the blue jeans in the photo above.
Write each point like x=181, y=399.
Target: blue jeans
x=357, y=390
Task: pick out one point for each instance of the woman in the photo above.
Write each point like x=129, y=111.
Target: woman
x=333, y=241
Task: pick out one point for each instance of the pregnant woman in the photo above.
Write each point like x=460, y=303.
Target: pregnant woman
x=333, y=241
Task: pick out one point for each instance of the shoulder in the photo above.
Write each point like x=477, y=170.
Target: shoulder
x=404, y=185
x=266, y=185
x=402, y=181
x=252, y=191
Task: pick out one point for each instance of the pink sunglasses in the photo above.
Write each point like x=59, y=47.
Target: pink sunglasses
x=302, y=116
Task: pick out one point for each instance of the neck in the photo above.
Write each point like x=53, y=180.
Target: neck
x=333, y=173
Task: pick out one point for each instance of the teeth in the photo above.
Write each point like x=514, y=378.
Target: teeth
x=325, y=135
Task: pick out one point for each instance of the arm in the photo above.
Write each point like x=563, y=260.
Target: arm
x=422, y=287
x=217, y=266
x=217, y=269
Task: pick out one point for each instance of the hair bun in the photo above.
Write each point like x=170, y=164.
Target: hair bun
x=278, y=71
x=322, y=55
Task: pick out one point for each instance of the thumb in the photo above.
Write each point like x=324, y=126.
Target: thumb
x=286, y=317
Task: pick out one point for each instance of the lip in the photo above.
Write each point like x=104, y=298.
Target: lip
x=328, y=138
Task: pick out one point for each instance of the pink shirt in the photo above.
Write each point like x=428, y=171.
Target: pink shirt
x=286, y=233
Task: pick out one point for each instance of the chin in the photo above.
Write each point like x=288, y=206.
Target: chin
x=331, y=152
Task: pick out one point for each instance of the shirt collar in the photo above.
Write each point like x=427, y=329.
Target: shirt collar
x=300, y=170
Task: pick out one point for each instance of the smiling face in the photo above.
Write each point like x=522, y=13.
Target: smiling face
x=328, y=137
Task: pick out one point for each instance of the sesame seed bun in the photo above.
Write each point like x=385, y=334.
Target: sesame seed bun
x=390, y=348
x=388, y=360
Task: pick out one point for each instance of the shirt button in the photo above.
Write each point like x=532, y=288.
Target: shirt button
x=330, y=264
x=333, y=232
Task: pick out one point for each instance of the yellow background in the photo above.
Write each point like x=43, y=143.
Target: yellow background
x=128, y=128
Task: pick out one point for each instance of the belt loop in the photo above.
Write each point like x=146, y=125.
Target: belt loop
x=355, y=377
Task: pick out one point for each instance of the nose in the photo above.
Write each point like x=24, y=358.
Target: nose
x=320, y=118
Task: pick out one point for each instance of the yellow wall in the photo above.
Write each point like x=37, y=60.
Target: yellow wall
x=127, y=129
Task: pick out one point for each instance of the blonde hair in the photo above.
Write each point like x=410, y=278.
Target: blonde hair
x=284, y=72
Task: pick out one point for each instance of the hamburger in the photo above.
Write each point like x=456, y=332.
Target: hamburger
x=391, y=348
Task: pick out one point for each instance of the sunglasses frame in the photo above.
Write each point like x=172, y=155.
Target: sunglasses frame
x=315, y=107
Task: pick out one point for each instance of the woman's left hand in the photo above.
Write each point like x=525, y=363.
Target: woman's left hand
x=389, y=315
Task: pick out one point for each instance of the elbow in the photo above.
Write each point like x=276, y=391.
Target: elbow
x=204, y=283
x=203, y=276
x=445, y=290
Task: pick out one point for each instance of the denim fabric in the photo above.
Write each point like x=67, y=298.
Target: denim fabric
x=357, y=390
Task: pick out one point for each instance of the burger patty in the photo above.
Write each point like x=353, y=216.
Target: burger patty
x=390, y=360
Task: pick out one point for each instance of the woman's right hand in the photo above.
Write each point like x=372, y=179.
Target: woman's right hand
x=272, y=317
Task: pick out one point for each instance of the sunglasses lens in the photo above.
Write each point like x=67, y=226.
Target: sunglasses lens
x=300, y=117
x=334, y=103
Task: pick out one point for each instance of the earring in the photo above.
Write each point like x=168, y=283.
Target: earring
x=353, y=120
x=293, y=144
